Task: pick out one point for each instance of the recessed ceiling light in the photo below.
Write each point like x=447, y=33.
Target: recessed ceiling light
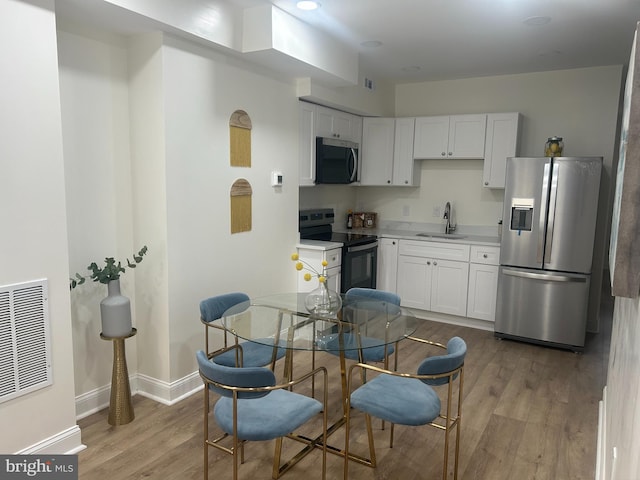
x=536, y=21
x=307, y=5
x=371, y=44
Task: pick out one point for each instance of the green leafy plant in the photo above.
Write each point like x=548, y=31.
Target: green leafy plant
x=110, y=271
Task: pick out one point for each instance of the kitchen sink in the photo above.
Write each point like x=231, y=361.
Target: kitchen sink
x=452, y=236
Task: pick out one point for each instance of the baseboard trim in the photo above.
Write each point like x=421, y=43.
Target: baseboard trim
x=454, y=319
x=67, y=442
x=167, y=393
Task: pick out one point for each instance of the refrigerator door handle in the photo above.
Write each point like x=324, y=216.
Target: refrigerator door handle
x=552, y=212
x=549, y=277
x=543, y=212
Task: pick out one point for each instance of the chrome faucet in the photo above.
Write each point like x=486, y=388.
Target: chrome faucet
x=448, y=227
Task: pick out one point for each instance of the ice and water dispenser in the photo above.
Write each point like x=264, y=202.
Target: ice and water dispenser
x=521, y=214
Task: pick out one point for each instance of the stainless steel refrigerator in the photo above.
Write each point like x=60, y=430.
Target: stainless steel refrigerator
x=550, y=211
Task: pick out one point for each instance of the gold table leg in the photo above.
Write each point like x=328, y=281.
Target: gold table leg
x=120, y=404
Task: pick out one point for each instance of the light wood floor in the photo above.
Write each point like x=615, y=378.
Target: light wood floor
x=529, y=412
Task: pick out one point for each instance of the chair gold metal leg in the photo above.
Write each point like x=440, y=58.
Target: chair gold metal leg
x=372, y=449
x=276, y=459
x=206, y=432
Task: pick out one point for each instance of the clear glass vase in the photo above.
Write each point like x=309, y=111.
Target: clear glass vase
x=323, y=301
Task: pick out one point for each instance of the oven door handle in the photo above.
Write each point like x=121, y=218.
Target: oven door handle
x=360, y=248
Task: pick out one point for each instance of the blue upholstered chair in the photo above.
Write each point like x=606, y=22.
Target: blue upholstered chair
x=365, y=349
x=250, y=354
x=410, y=399
x=252, y=407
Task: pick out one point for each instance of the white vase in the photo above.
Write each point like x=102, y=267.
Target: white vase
x=115, y=311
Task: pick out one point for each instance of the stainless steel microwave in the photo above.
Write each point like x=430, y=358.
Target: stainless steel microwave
x=336, y=161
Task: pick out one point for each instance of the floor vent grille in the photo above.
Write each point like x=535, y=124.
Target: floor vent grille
x=25, y=359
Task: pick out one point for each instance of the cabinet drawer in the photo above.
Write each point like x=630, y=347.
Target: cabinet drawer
x=443, y=250
x=486, y=255
x=333, y=257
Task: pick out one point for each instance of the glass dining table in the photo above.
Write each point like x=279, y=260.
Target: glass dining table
x=283, y=319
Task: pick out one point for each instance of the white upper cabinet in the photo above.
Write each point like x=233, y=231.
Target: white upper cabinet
x=306, y=144
x=332, y=123
x=503, y=133
x=376, y=152
x=455, y=136
x=318, y=121
x=387, y=152
x=405, y=170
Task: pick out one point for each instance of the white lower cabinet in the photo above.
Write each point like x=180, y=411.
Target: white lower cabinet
x=314, y=256
x=483, y=282
x=433, y=276
x=386, y=276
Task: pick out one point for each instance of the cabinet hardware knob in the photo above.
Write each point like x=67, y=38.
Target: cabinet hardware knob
x=428, y=263
x=435, y=263
x=485, y=255
x=444, y=154
x=486, y=183
x=450, y=153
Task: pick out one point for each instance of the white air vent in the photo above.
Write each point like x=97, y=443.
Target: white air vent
x=25, y=360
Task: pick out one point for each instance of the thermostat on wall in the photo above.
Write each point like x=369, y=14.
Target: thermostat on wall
x=276, y=179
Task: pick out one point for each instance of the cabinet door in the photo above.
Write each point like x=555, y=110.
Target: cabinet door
x=387, y=264
x=336, y=124
x=405, y=172
x=324, y=122
x=376, y=154
x=414, y=282
x=306, y=145
x=355, y=130
x=449, y=287
x=483, y=290
x=466, y=136
x=503, y=132
x=431, y=137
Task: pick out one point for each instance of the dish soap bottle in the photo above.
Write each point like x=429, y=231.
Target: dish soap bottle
x=349, y=219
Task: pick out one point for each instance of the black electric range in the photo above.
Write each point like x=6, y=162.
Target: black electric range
x=359, y=250
x=317, y=224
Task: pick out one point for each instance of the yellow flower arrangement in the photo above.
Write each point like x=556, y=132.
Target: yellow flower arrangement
x=322, y=301
x=311, y=272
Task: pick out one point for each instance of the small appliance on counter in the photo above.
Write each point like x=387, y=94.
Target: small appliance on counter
x=550, y=210
x=359, y=251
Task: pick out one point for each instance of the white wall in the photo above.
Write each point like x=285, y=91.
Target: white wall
x=146, y=134
x=204, y=258
x=33, y=243
x=621, y=408
x=95, y=127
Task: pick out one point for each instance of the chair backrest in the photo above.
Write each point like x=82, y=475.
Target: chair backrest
x=213, y=308
x=235, y=377
x=381, y=295
x=439, y=364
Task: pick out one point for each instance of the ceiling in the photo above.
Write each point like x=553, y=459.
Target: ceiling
x=427, y=40
x=423, y=40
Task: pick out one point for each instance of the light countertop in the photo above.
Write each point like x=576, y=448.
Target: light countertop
x=470, y=238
